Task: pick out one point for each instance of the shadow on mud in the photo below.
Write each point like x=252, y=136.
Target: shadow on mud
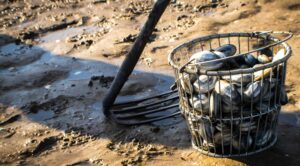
x=66, y=93
x=286, y=151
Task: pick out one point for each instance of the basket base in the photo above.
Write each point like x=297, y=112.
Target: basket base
x=235, y=155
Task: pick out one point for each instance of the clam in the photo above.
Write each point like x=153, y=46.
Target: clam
x=247, y=126
x=227, y=91
x=207, y=56
x=223, y=137
x=283, y=96
x=214, y=104
x=228, y=63
x=254, y=90
x=204, y=83
x=220, y=54
x=263, y=138
x=267, y=51
x=200, y=103
x=228, y=108
x=264, y=73
x=279, y=55
x=262, y=58
x=244, y=66
x=262, y=107
x=250, y=59
x=186, y=80
x=243, y=143
x=206, y=131
x=221, y=126
x=261, y=73
x=227, y=49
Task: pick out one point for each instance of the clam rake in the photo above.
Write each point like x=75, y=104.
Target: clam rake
x=146, y=110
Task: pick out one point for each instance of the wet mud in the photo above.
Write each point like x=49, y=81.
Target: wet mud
x=59, y=58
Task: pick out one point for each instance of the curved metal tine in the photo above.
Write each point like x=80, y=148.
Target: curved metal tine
x=134, y=108
x=138, y=114
x=143, y=99
x=140, y=122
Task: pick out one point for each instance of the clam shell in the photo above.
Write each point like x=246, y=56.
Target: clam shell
x=200, y=103
x=229, y=63
x=207, y=56
x=227, y=108
x=262, y=58
x=283, y=96
x=253, y=91
x=221, y=126
x=246, y=143
x=257, y=90
x=263, y=138
x=263, y=107
x=186, y=80
x=279, y=55
x=250, y=59
x=267, y=51
x=223, y=137
x=227, y=91
x=204, y=83
x=247, y=126
x=261, y=73
x=220, y=54
x=206, y=131
x=214, y=104
x=227, y=49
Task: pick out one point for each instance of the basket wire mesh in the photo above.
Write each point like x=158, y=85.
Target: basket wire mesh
x=232, y=111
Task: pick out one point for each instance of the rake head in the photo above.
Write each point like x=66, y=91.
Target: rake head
x=146, y=110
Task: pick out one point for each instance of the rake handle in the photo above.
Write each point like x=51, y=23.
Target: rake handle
x=134, y=54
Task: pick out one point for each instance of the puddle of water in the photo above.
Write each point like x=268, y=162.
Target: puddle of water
x=62, y=34
x=80, y=75
x=41, y=115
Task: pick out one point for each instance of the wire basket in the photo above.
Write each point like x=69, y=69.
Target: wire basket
x=231, y=102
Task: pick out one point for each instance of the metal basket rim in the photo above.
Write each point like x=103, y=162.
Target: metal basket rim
x=237, y=34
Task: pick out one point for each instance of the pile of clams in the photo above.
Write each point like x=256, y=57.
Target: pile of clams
x=237, y=136
x=255, y=94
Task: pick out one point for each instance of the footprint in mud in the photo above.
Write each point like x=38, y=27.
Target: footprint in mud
x=99, y=162
x=13, y=55
x=136, y=152
x=57, y=105
x=31, y=80
x=104, y=81
x=35, y=147
x=73, y=139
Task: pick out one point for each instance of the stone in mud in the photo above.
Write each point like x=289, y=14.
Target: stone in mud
x=9, y=119
x=6, y=133
x=104, y=81
x=99, y=1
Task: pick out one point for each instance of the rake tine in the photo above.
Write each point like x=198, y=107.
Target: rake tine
x=126, y=122
x=144, y=99
x=147, y=112
x=131, y=109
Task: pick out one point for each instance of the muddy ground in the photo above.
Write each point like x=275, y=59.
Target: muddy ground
x=58, y=59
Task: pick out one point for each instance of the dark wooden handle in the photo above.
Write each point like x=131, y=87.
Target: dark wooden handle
x=134, y=54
